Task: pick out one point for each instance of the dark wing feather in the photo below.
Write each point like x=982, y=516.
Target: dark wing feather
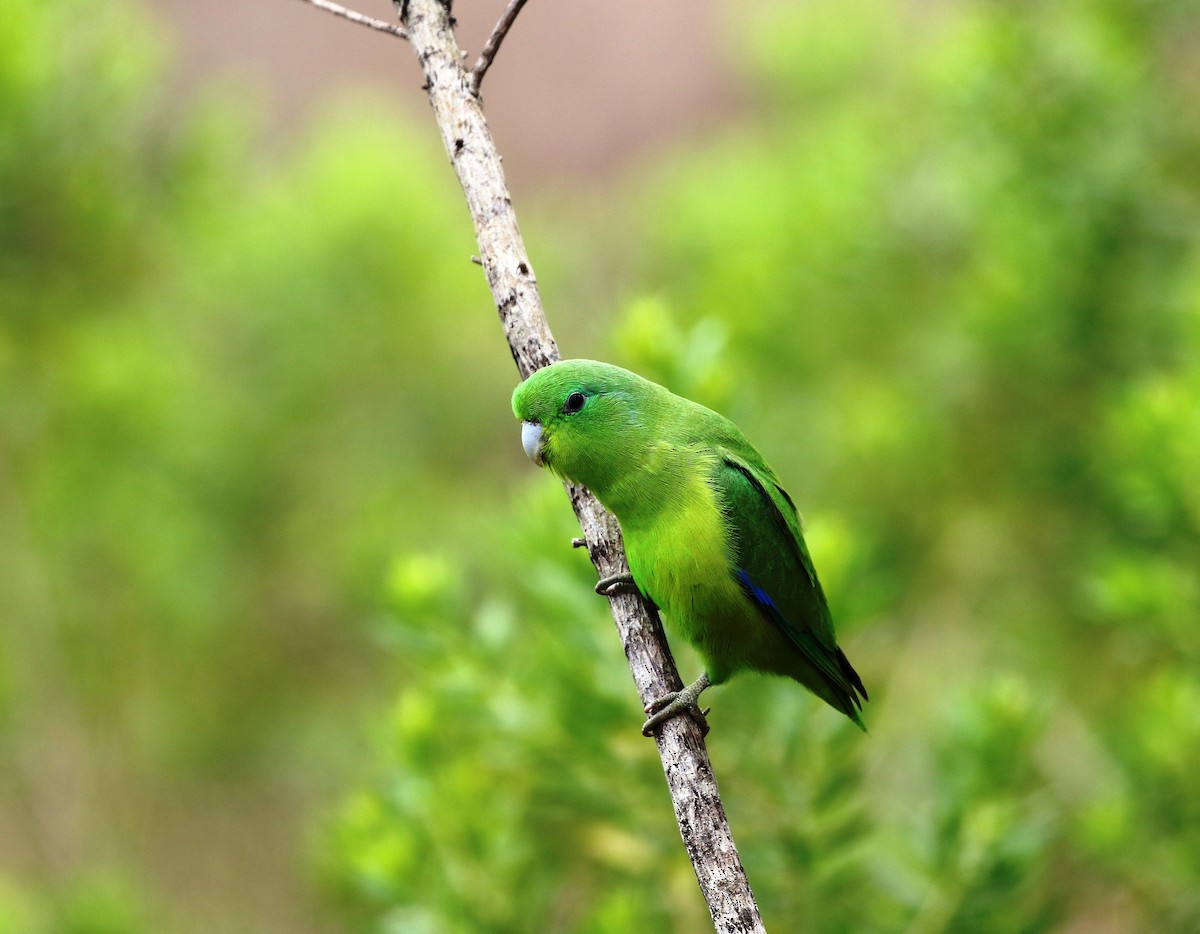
x=776, y=571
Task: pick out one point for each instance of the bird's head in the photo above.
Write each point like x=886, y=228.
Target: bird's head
x=583, y=419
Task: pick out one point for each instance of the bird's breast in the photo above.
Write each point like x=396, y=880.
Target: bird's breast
x=680, y=558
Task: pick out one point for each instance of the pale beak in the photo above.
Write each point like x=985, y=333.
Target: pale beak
x=531, y=441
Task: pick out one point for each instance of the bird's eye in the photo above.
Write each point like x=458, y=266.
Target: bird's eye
x=574, y=402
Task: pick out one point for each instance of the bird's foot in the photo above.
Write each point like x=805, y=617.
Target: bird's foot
x=616, y=584
x=677, y=702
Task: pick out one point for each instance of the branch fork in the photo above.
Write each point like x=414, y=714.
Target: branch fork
x=486, y=57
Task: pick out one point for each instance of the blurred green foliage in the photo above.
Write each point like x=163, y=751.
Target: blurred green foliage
x=264, y=550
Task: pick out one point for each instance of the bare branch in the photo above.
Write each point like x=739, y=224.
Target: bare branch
x=493, y=44
x=359, y=18
x=472, y=150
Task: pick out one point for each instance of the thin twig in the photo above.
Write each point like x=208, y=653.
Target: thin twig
x=359, y=18
x=493, y=44
x=472, y=150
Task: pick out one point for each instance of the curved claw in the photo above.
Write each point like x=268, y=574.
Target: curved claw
x=670, y=710
x=616, y=584
x=677, y=702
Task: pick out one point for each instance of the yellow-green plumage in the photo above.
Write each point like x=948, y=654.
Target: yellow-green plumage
x=712, y=538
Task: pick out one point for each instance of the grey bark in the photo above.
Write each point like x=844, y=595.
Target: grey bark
x=472, y=151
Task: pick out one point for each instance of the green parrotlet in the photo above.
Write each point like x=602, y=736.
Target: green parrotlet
x=712, y=538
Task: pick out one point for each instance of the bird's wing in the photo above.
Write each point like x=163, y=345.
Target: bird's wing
x=774, y=569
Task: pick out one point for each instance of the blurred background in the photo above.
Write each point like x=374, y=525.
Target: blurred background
x=291, y=635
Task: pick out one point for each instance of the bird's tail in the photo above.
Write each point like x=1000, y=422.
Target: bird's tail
x=851, y=693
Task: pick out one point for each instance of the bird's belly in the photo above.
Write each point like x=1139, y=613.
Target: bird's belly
x=682, y=563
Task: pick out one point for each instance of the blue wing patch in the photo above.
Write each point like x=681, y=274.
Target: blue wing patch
x=760, y=595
